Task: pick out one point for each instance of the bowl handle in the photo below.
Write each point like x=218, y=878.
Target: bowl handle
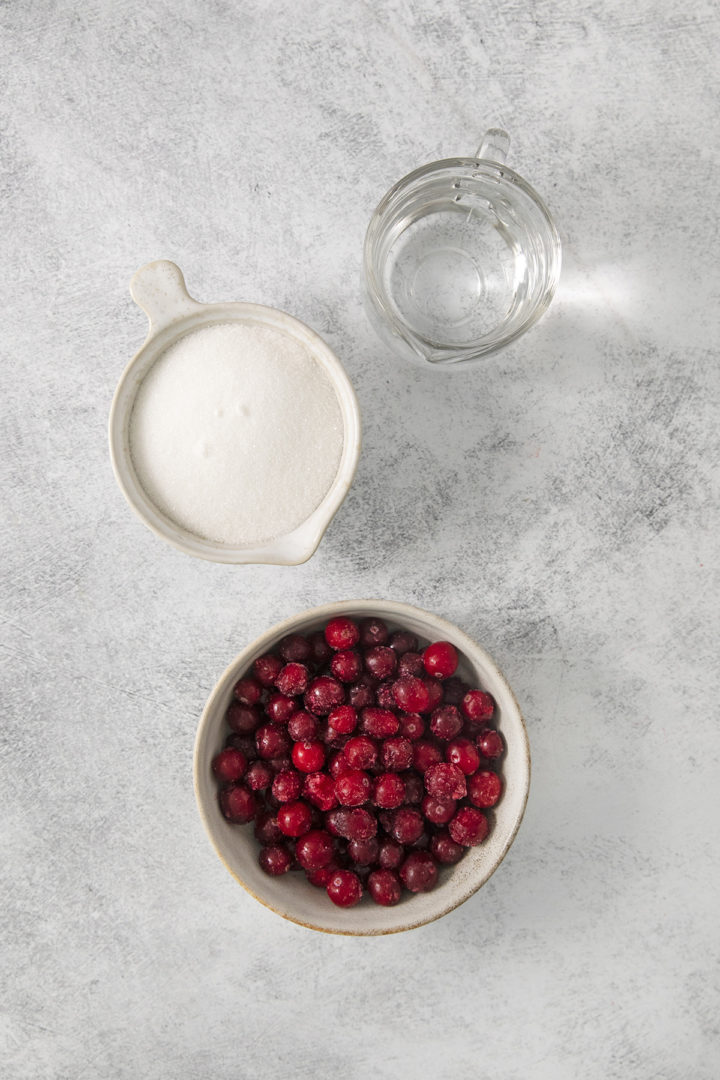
x=159, y=289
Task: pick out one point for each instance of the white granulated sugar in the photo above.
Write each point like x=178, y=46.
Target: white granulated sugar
x=236, y=433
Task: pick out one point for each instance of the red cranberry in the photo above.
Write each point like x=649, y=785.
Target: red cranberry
x=287, y=785
x=410, y=665
x=295, y=649
x=396, y=754
x=342, y=633
x=469, y=826
x=320, y=650
x=490, y=743
x=294, y=818
x=384, y=887
x=338, y=765
x=323, y=694
x=320, y=878
x=412, y=726
x=484, y=789
x=344, y=888
x=314, y=849
x=446, y=722
x=272, y=741
x=435, y=690
x=293, y=679
x=373, y=631
x=248, y=690
x=346, y=665
x=319, y=789
x=353, y=788
x=407, y=825
x=389, y=791
x=238, y=804
x=454, y=690
x=362, y=692
x=230, y=765
x=384, y=695
x=266, y=669
x=246, y=743
x=419, y=872
x=364, y=852
x=445, y=781
x=243, y=719
x=440, y=659
x=425, y=754
x=308, y=756
x=438, y=811
x=380, y=661
x=414, y=789
x=361, y=752
x=267, y=830
x=259, y=776
x=444, y=848
x=411, y=694
x=390, y=854
x=303, y=726
x=343, y=719
x=477, y=706
x=403, y=641
x=277, y=764
x=380, y=723
x=280, y=707
x=275, y=860
x=335, y=821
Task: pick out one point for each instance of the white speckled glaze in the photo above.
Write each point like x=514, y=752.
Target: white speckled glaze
x=291, y=895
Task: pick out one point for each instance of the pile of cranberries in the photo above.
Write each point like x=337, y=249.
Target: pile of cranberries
x=362, y=760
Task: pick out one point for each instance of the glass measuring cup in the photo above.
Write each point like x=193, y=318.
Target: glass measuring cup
x=461, y=257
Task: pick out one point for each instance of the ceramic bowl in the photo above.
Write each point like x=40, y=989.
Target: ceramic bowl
x=159, y=289
x=291, y=895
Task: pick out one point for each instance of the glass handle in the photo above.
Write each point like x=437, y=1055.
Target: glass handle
x=494, y=146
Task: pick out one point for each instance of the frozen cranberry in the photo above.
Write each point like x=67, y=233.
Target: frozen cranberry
x=446, y=722
x=320, y=650
x=294, y=818
x=335, y=821
x=314, y=849
x=303, y=726
x=380, y=723
x=266, y=669
x=411, y=694
x=435, y=690
x=389, y=791
x=361, y=752
x=412, y=726
x=293, y=679
x=323, y=694
x=469, y=826
x=338, y=765
x=396, y=754
x=243, y=719
x=277, y=764
x=384, y=695
x=272, y=741
x=384, y=887
x=319, y=878
x=230, y=765
x=259, y=776
x=373, y=632
x=380, y=661
x=403, y=641
x=490, y=743
x=342, y=719
x=445, y=781
x=275, y=860
x=454, y=690
x=346, y=665
x=359, y=824
x=419, y=872
x=440, y=659
x=477, y=706
x=438, y=811
x=362, y=692
x=462, y=752
x=344, y=888
x=484, y=788
x=353, y=788
x=364, y=852
x=238, y=804
x=414, y=789
x=247, y=690
x=308, y=756
x=407, y=824
x=342, y=633
x=319, y=789
x=267, y=830
x=294, y=648
x=280, y=707
x=425, y=754
x=246, y=743
x=390, y=854
x=410, y=665
x=444, y=848
x=287, y=785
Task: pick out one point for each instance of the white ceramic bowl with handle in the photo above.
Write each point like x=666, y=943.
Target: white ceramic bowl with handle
x=159, y=289
x=291, y=895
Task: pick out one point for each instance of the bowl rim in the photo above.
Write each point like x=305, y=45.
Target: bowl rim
x=383, y=608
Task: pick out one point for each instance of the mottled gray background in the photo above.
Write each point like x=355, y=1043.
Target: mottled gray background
x=559, y=503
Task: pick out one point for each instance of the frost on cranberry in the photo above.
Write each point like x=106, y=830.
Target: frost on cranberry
x=469, y=826
x=396, y=754
x=380, y=723
x=353, y=788
x=407, y=825
x=477, y=706
x=275, y=860
x=446, y=722
x=445, y=781
x=287, y=785
x=259, y=776
x=425, y=754
x=319, y=789
x=361, y=752
x=346, y=665
x=342, y=719
x=266, y=669
x=419, y=872
x=484, y=789
x=344, y=888
x=323, y=694
x=410, y=665
x=384, y=887
x=303, y=726
x=293, y=679
x=389, y=791
x=438, y=811
x=342, y=633
x=381, y=661
x=362, y=692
